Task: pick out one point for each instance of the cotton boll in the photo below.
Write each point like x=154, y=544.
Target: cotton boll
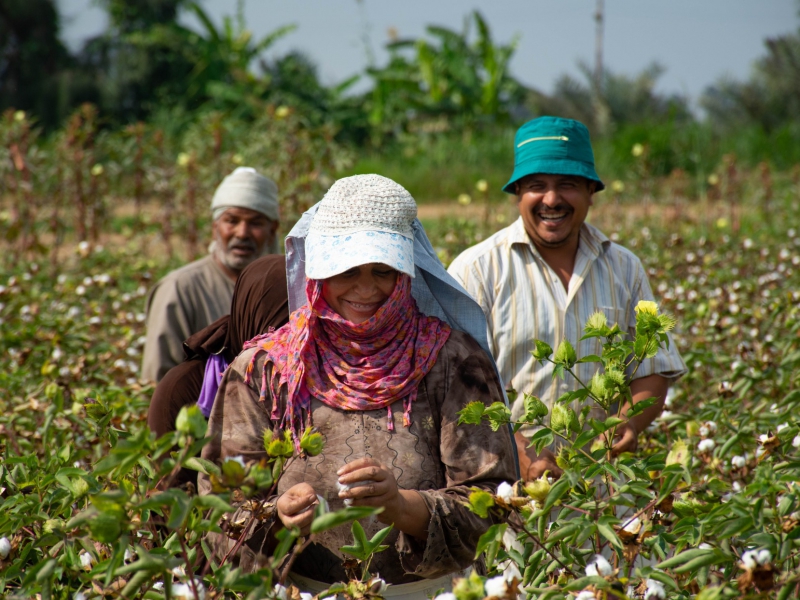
x=86, y=560
x=5, y=547
x=446, y=596
x=749, y=561
x=706, y=445
x=496, y=586
x=505, y=492
x=600, y=566
x=280, y=591
x=796, y=441
x=586, y=595
x=632, y=526
x=655, y=590
x=764, y=557
x=738, y=462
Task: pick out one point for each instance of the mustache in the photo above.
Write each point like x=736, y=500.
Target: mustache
x=553, y=209
x=242, y=244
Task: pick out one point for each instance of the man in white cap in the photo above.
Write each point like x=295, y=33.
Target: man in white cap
x=245, y=221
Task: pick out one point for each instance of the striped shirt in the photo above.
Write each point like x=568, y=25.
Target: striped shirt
x=523, y=299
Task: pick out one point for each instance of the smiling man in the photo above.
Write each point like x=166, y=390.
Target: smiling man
x=543, y=276
x=245, y=221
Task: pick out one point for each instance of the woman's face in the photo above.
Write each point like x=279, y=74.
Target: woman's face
x=357, y=294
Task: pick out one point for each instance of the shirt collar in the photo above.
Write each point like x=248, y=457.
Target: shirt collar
x=591, y=238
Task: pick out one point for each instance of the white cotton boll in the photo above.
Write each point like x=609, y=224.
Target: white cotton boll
x=760, y=452
x=140, y=317
x=764, y=557
x=5, y=547
x=61, y=279
x=56, y=354
x=181, y=591
x=505, y=491
x=79, y=596
x=179, y=571
x=763, y=438
x=737, y=487
x=749, y=560
x=665, y=414
x=306, y=596
x=88, y=281
x=655, y=590
x=279, y=591
x=632, y=526
x=129, y=554
x=600, y=566
x=378, y=586
x=496, y=586
x=446, y=596
x=158, y=586
x=511, y=572
x=586, y=595
x=95, y=321
x=712, y=426
x=704, y=431
x=237, y=459
x=64, y=372
x=86, y=560
x=73, y=313
x=738, y=461
x=781, y=427
x=706, y=445
x=80, y=290
x=705, y=546
x=796, y=441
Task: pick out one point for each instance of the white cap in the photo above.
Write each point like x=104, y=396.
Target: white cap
x=246, y=188
x=362, y=219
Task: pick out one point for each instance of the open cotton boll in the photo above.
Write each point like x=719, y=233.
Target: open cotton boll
x=496, y=586
x=738, y=461
x=749, y=560
x=5, y=547
x=764, y=557
x=446, y=596
x=586, y=595
x=505, y=491
x=280, y=591
x=343, y=487
x=599, y=567
x=655, y=590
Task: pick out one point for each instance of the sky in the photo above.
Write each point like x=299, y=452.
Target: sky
x=697, y=41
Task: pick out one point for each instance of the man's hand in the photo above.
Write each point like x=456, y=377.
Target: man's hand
x=533, y=466
x=626, y=439
x=296, y=507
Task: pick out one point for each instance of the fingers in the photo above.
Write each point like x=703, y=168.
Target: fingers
x=296, y=506
x=628, y=442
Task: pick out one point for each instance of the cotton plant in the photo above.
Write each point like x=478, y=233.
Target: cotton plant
x=620, y=523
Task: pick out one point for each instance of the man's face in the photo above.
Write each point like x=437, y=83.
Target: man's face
x=553, y=207
x=242, y=235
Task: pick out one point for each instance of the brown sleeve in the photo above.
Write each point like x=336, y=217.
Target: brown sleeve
x=472, y=456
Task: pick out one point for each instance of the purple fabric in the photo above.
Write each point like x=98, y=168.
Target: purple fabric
x=215, y=367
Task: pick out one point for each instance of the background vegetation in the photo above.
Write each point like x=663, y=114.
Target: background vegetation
x=108, y=158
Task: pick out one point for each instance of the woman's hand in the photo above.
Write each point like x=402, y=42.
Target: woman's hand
x=370, y=483
x=296, y=507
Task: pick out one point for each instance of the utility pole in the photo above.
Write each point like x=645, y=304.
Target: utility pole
x=601, y=112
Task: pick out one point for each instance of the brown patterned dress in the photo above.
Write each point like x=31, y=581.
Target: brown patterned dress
x=434, y=456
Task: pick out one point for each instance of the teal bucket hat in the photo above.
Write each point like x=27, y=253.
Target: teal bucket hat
x=553, y=146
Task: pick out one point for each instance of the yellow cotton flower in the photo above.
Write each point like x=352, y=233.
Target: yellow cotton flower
x=618, y=186
x=637, y=149
x=183, y=159
x=282, y=112
x=482, y=185
x=647, y=307
x=464, y=199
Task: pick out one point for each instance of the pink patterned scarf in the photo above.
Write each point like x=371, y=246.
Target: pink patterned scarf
x=349, y=366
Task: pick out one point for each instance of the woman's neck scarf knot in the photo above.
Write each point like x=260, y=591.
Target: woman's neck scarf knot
x=349, y=366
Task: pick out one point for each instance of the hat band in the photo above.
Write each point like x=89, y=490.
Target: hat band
x=561, y=138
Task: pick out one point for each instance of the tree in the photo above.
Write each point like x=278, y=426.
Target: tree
x=31, y=58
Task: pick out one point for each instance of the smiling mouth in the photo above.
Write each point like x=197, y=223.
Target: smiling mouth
x=363, y=307
x=554, y=216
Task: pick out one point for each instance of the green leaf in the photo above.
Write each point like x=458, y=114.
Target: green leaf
x=480, y=501
x=195, y=463
x=498, y=415
x=340, y=517
x=212, y=501
x=472, y=413
x=190, y=421
x=683, y=558
x=492, y=535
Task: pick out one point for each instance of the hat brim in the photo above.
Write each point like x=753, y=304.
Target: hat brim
x=553, y=167
x=329, y=255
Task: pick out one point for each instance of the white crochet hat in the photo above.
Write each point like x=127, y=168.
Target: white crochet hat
x=362, y=219
x=246, y=188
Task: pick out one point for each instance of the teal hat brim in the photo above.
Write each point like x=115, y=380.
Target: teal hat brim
x=561, y=166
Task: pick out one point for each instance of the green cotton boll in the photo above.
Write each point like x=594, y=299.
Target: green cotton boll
x=543, y=351
x=311, y=443
x=565, y=355
x=563, y=418
x=535, y=409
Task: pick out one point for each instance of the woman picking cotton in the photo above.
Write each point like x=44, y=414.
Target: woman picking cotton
x=382, y=382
